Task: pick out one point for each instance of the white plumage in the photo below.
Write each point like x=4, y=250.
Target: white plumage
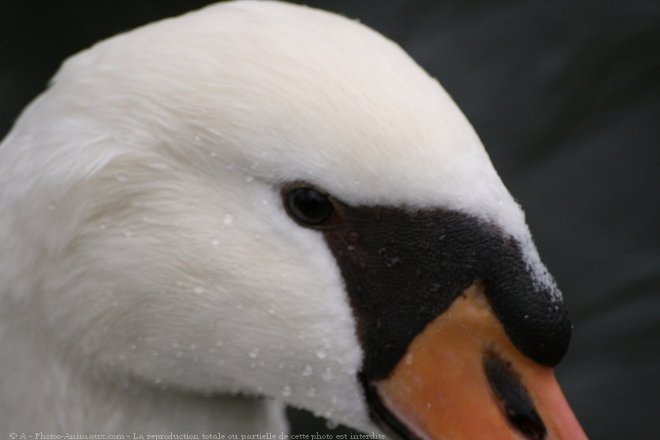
x=147, y=267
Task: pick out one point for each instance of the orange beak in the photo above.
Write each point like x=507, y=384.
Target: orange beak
x=462, y=378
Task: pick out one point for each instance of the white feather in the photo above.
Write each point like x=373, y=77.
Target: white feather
x=146, y=259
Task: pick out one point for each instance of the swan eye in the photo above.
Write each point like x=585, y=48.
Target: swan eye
x=309, y=206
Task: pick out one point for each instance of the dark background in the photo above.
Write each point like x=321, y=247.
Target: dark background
x=565, y=96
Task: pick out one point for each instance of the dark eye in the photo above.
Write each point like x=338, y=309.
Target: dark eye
x=309, y=206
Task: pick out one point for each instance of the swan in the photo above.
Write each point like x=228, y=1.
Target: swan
x=259, y=204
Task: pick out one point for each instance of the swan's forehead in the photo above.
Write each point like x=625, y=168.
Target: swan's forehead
x=294, y=93
x=325, y=98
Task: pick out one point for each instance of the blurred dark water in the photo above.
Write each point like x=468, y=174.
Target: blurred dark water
x=565, y=96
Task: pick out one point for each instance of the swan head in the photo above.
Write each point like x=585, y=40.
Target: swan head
x=264, y=198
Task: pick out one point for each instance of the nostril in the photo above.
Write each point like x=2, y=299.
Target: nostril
x=529, y=425
x=513, y=397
